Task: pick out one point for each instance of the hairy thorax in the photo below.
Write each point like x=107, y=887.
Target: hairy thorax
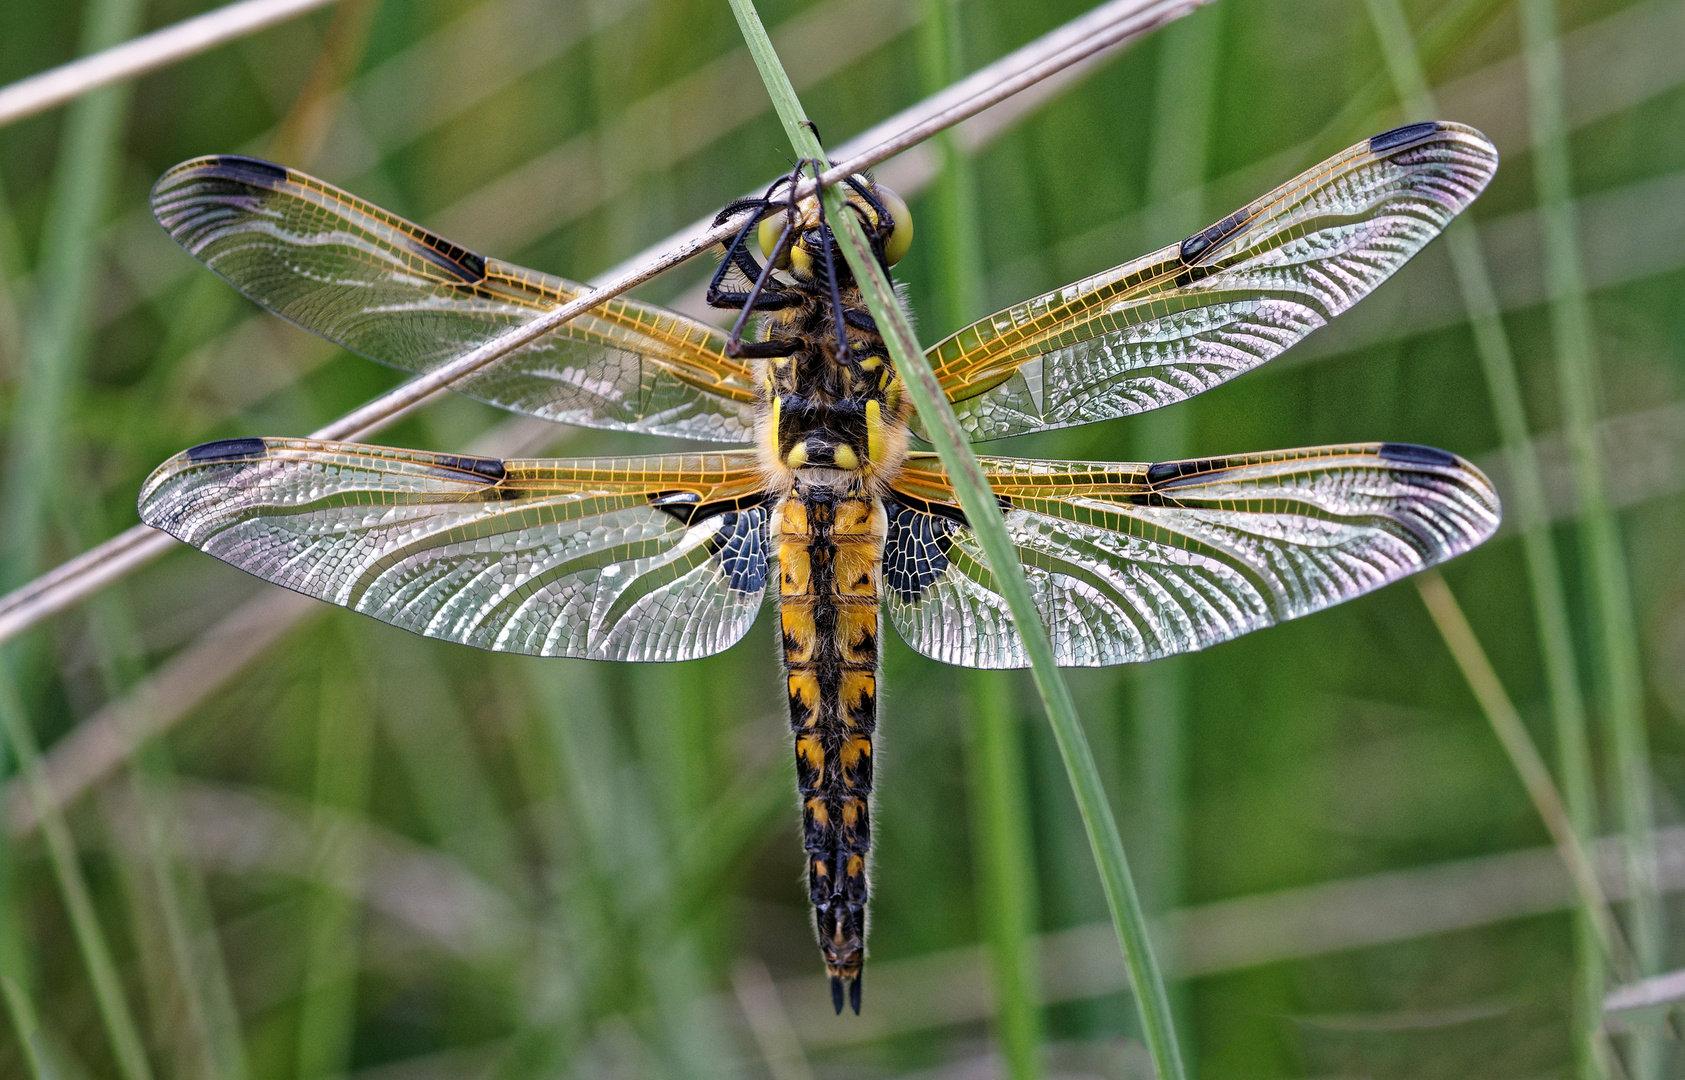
x=827, y=422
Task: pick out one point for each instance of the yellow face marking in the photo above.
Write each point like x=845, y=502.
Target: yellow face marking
x=845, y=457
x=770, y=437
x=874, y=431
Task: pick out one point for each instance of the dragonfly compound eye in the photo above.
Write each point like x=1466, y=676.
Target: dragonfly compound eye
x=901, y=237
x=768, y=232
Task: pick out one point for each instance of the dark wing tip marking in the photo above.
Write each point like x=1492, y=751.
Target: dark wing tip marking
x=249, y=169
x=1201, y=242
x=1412, y=454
x=224, y=448
x=1402, y=136
x=490, y=468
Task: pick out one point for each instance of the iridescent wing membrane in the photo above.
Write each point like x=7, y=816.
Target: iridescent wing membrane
x=664, y=558
x=1134, y=562
x=654, y=558
x=1165, y=327
x=396, y=293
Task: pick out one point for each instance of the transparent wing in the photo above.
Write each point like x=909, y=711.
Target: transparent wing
x=655, y=558
x=394, y=292
x=1134, y=562
x=1168, y=326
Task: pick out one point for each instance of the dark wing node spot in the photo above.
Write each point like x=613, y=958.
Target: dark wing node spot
x=1401, y=136
x=490, y=468
x=1201, y=242
x=915, y=554
x=250, y=170
x=467, y=265
x=222, y=448
x=1412, y=454
x=740, y=548
x=1166, y=473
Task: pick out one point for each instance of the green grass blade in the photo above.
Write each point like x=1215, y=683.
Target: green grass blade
x=344, y=745
x=994, y=762
x=980, y=507
x=1615, y=635
x=61, y=325
x=120, y=1025
x=999, y=799
x=1526, y=507
x=1185, y=93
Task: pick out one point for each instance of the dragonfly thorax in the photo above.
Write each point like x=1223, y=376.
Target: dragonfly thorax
x=825, y=412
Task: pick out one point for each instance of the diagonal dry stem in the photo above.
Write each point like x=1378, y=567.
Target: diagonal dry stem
x=1104, y=28
x=144, y=54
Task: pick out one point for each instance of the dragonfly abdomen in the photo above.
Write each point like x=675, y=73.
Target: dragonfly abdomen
x=830, y=555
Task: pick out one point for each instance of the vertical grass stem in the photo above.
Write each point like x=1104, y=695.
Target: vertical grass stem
x=979, y=504
x=1526, y=506
x=120, y=1025
x=1615, y=641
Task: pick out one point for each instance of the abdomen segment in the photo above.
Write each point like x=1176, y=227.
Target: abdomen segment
x=830, y=550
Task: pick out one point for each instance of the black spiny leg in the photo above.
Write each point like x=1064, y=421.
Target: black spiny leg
x=837, y=312
x=734, y=341
x=764, y=350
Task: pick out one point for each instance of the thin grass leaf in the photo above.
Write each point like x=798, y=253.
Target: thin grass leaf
x=120, y=1026
x=26, y=1022
x=1526, y=507
x=1106, y=27
x=1006, y=900
x=171, y=893
x=131, y=59
x=1579, y=392
x=979, y=505
x=1184, y=100
x=344, y=747
x=60, y=327
x=999, y=795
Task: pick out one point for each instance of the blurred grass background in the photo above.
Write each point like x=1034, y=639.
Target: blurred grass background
x=357, y=852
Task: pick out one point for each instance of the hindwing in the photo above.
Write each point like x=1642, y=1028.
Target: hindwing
x=1132, y=562
x=652, y=558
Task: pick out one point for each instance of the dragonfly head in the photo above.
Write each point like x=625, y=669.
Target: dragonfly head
x=883, y=213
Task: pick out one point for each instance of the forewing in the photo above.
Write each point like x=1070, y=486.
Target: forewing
x=655, y=558
x=394, y=292
x=1134, y=562
x=1168, y=326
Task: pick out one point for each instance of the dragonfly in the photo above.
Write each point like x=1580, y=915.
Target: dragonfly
x=827, y=505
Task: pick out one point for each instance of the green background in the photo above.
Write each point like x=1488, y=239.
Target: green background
x=364, y=853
